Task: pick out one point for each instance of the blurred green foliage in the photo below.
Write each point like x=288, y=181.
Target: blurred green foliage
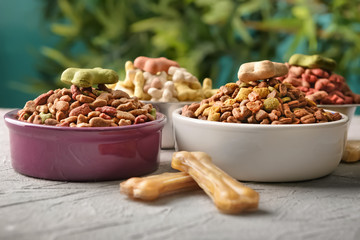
x=211, y=38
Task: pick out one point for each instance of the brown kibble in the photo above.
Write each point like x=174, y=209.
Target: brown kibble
x=193, y=106
x=261, y=115
x=224, y=116
x=53, y=97
x=51, y=121
x=293, y=104
x=285, y=120
x=74, y=91
x=124, y=122
x=60, y=115
x=265, y=121
x=42, y=108
x=42, y=99
x=84, y=99
x=74, y=105
x=61, y=105
x=229, y=88
x=114, y=103
x=282, y=90
x=104, y=116
x=137, y=112
x=66, y=98
x=308, y=119
x=105, y=95
x=252, y=119
x=82, y=119
x=83, y=124
x=99, y=103
x=94, y=114
x=83, y=109
x=30, y=107
x=99, y=122
x=37, y=119
x=189, y=114
x=125, y=115
x=126, y=106
x=253, y=96
x=254, y=106
x=300, y=112
x=117, y=94
x=69, y=119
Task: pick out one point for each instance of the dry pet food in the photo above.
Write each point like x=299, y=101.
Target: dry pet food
x=264, y=100
x=314, y=76
x=87, y=106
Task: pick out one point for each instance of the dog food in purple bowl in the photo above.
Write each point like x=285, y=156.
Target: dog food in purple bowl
x=85, y=153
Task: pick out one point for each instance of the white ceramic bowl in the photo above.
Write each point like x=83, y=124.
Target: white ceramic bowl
x=265, y=153
x=166, y=108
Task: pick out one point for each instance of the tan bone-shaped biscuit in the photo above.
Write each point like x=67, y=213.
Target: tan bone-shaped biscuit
x=152, y=187
x=229, y=195
x=253, y=71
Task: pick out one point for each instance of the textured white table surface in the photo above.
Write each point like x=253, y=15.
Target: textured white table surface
x=325, y=208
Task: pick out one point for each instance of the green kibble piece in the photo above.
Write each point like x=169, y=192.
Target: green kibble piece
x=243, y=85
x=97, y=92
x=44, y=116
x=153, y=112
x=286, y=99
x=271, y=88
x=271, y=104
x=26, y=116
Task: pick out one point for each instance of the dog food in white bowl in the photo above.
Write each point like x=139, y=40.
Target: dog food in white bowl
x=260, y=129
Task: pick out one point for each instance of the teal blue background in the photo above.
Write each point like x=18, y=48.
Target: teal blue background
x=21, y=35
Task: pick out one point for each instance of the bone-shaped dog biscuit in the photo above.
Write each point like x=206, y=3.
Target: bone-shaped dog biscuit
x=229, y=195
x=88, y=77
x=152, y=187
x=253, y=71
x=139, y=82
x=313, y=61
x=154, y=65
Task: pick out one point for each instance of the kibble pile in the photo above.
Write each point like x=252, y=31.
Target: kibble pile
x=86, y=107
x=266, y=101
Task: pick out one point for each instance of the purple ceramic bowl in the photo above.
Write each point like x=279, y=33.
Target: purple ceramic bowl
x=84, y=154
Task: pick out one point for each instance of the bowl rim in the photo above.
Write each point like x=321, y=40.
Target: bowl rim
x=9, y=117
x=176, y=115
x=339, y=105
x=179, y=102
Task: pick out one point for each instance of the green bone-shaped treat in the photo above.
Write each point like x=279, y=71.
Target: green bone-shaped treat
x=312, y=61
x=88, y=77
